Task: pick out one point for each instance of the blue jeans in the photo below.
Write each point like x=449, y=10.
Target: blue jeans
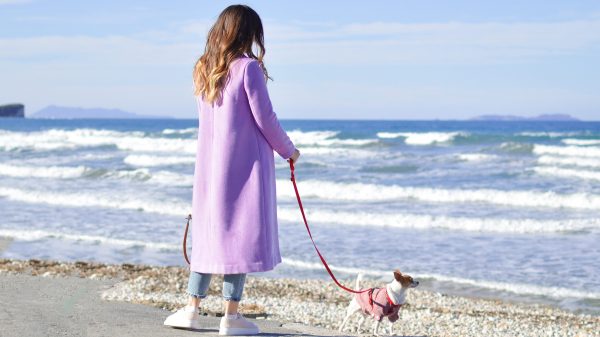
x=233, y=285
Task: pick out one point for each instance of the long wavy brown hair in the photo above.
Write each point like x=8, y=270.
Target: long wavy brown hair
x=236, y=30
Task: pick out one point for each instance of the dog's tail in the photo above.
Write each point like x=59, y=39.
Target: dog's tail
x=358, y=279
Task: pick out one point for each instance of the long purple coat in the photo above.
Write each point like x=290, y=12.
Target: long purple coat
x=234, y=213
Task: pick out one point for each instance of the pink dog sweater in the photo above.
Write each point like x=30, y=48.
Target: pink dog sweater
x=378, y=304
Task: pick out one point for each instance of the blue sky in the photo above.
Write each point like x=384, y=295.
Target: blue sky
x=329, y=59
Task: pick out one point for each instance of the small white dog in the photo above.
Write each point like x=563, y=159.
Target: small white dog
x=380, y=302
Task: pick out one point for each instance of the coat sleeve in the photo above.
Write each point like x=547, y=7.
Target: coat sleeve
x=262, y=110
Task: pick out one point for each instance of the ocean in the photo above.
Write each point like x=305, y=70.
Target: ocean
x=506, y=210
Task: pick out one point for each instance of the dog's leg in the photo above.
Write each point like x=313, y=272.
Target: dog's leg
x=391, y=328
x=360, y=323
x=352, y=308
x=344, y=322
x=376, y=328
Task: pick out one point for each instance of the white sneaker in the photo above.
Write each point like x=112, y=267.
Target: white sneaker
x=237, y=326
x=185, y=317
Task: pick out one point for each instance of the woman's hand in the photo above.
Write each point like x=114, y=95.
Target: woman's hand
x=295, y=156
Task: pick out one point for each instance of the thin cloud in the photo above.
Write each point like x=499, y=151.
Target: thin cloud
x=422, y=43
x=14, y=2
x=366, y=43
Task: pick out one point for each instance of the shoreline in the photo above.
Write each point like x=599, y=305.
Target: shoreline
x=320, y=303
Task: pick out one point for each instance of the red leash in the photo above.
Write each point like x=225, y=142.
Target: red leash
x=187, y=226
x=293, y=179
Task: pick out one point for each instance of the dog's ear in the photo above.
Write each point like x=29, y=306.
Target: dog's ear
x=397, y=275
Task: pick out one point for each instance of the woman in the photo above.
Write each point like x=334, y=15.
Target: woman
x=234, y=215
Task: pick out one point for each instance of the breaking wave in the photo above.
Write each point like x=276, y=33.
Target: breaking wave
x=581, y=142
x=57, y=172
x=418, y=221
x=186, y=131
x=576, y=151
x=475, y=157
x=33, y=235
x=325, y=138
x=73, y=172
x=422, y=138
x=568, y=173
x=517, y=148
x=374, y=192
x=569, y=161
x=150, y=161
x=548, y=134
x=55, y=139
x=96, y=200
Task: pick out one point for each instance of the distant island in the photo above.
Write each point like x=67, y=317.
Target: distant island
x=61, y=112
x=12, y=110
x=546, y=117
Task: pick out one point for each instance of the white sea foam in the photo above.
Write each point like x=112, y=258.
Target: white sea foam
x=55, y=139
x=581, y=142
x=73, y=172
x=70, y=172
x=569, y=161
x=325, y=138
x=418, y=221
x=568, y=173
x=375, y=192
x=34, y=235
x=116, y=201
x=475, y=157
x=187, y=146
x=150, y=161
x=515, y=288
x=514, y=147
x=548, y=134
x=519, y=288
x=341, y=152
x=347, y=270
x=180, y=131
x=577, y=151
x=57, y=172
x=171, y=178
x=422, y=138
x=389, y=134
x=158, y=177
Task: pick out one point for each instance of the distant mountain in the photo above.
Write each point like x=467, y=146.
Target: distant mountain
x=545, y=117
x=61, y=112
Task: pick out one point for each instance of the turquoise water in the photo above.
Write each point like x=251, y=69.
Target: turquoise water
x=492, y=209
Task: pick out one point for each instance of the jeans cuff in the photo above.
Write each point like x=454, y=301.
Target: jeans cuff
x=231, y=298
x=196, y=295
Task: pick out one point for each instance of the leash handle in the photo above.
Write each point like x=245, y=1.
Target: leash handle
x=293, y=179
x=185, y=234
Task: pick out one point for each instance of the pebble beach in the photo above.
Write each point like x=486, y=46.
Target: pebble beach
x=320, y=303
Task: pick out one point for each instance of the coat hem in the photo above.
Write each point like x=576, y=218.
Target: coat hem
x=235, y=268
